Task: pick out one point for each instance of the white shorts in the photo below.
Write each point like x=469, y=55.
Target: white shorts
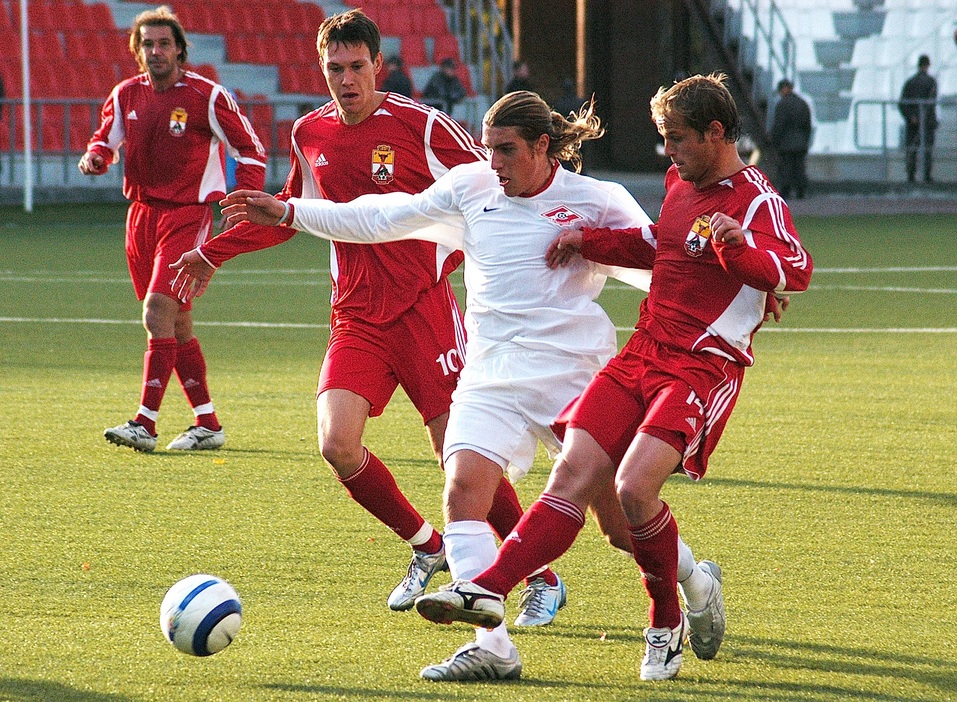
x=506, y=401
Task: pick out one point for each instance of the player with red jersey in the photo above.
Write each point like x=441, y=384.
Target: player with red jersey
x=174, y=125
x=395, y=320
x=723, y=243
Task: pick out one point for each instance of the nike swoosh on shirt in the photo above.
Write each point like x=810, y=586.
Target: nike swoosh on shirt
x=490, y=209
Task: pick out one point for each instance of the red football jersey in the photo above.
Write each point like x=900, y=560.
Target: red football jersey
x=175, y=139
x=706, y=297
x=402, y=147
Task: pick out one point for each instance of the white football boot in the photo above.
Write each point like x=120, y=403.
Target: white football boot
x=707, y=625
x=421, y=570
x=198, y=439
x=132, y=434
x=663, y=651
x=463, y=601
x=472, y=662
x=540, y=602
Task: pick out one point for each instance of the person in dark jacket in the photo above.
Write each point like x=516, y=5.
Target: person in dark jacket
x=920, y=117
x=444, y=89
x=791, y=136
x=396, y=81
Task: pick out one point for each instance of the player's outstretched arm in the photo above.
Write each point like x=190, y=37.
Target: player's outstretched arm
x=252, y=206
x=193, y=273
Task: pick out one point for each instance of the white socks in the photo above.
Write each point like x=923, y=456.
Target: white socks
x=469, y=549
x=695, y=585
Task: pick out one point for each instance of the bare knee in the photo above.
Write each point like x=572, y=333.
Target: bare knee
x=611, y=520
x=471, y=481
x=638, y=500
x=343, y=453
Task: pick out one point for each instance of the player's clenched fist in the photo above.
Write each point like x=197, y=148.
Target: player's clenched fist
x=726, y=230
x=92, y=164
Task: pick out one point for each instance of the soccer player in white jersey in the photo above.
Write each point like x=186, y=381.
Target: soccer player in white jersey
x=536, y=334
x=723, y=244
x=395, y=319
x=173, y=125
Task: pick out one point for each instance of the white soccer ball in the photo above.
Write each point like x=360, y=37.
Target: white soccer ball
x=201, y=614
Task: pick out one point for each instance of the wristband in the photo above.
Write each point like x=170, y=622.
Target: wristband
x=285, y=219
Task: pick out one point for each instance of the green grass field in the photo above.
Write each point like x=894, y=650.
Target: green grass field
x=831, y=503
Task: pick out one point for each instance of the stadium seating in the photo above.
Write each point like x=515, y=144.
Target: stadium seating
x=78, y=52
x=852, y=58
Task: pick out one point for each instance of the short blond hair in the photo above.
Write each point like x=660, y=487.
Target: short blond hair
x=698, y=101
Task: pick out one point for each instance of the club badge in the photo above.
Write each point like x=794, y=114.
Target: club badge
x=698, y=237
x=383, y=164
x=177, y=122
x=562, y=216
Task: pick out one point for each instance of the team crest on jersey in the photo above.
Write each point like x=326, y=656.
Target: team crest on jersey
x=698, y=237
x=177, y=122
x=562, y=216
x=383, y=164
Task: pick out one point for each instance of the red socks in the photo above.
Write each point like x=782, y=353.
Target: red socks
x=161, y=358
x=655, y=545
x=373, y=487
x=506, y=510
x=545, y=532
x=503, y=517
x=158, y=362
x=191, y=371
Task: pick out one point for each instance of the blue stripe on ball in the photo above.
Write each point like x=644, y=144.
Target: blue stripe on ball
x=195, y=591
x=185, y=602
x=209, y=623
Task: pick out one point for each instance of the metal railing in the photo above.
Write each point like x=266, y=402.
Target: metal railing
x=486, y=42
x=877, y=125
x=878, y=128
x=765, y=46
x=62, y=127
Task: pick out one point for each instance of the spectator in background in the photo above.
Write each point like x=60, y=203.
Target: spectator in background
x=917, y=106
x=791, y=136
x=396, y=81
x=173, y=125
x=520, y=79
x=569, y=101
x=444, y=89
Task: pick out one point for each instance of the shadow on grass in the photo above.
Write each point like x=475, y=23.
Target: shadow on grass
x=584, y=632
x=943, y=499
x=858, y=661
x=827, y=672
x=22, y=690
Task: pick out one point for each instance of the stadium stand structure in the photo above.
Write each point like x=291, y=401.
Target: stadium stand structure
x=265, y=52
x=850, y=60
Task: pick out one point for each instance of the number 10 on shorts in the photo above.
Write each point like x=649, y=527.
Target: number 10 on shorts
x=449, y=362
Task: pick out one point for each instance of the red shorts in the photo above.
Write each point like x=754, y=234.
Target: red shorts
x=156, y=236
x=423, y=351
x=681, y=398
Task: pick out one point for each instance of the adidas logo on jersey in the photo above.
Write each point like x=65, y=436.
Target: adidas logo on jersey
x=132, y=115
x=321, y=161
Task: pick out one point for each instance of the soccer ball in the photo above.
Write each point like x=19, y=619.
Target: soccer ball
x=201, y=614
